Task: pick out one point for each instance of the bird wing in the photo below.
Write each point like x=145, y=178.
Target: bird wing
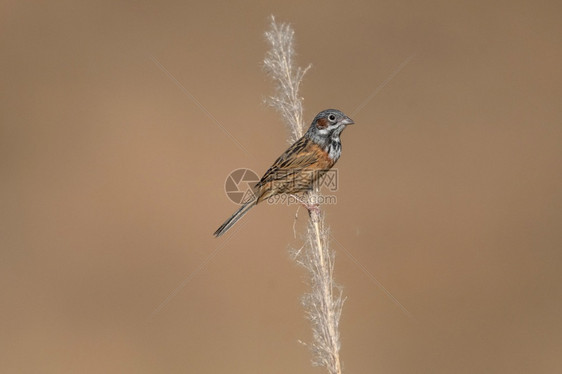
x=301, y=155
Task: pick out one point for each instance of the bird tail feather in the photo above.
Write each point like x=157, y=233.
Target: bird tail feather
x=235, y=217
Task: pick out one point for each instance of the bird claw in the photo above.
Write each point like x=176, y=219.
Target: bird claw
x=311, y=207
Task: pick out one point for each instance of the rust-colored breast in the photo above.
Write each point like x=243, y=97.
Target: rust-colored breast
x=295, y=171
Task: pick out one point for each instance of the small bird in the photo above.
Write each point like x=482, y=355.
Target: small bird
x=300, y=165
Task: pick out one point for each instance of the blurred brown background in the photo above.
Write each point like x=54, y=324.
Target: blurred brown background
x=112, y=181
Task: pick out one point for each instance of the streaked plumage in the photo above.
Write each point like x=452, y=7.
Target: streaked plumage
x=301, y=164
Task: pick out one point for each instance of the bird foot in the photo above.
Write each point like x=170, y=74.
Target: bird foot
x=311, y=207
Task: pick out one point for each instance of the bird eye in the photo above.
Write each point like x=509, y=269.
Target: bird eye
x=332, y=117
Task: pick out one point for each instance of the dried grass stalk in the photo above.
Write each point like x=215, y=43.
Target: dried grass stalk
x=323, y=303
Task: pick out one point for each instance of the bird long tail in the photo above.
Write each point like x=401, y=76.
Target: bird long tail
x=235, y=217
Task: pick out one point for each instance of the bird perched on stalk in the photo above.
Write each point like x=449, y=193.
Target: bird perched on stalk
x=301, y=165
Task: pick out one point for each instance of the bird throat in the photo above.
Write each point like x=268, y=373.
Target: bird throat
x=329, y=141
x=334, y=148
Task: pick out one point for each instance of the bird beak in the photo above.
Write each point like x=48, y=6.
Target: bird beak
x=347, y=121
